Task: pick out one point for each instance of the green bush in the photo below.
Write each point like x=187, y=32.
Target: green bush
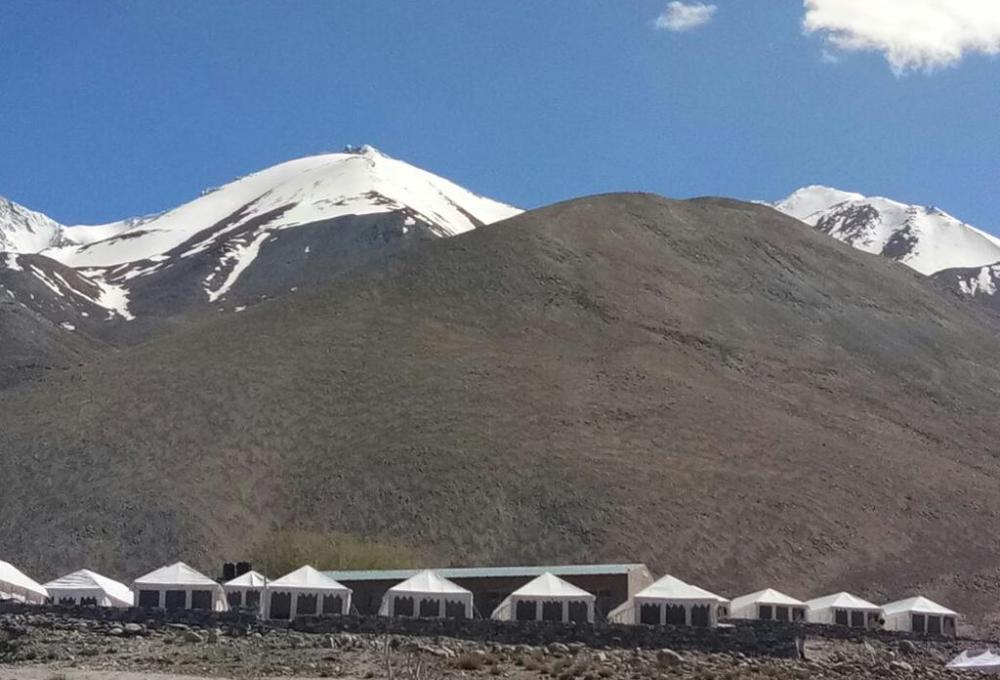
x=283, y=551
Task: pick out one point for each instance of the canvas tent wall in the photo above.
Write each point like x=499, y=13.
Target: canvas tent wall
x=245, y=591
x=547, y=598
x=178, y=586
x=843, y=609
x=768, y=605
x=306, y=592
x=671, y=601
x=88, y=588
x=16, y=585
x=427, y=595
x=920, y=615
x=981, y=660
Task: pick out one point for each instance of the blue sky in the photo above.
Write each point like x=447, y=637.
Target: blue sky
x=113, y=109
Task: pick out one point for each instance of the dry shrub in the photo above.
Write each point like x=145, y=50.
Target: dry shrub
x=470, y=662
x=283, y=551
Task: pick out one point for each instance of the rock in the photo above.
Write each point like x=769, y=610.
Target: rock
x=668, y=657
x=116, y=632
x=193, y=636
x=134, y=629
x=557, y=648
x=907, y=647
x=902, y=667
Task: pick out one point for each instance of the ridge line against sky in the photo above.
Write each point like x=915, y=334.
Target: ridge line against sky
x=115, y=109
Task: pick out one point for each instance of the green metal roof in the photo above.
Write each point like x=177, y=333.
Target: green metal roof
x=488, y=572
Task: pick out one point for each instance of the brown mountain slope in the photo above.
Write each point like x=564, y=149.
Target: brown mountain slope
x=707, y=385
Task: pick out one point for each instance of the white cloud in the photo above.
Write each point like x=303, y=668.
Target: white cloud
x=912, y=34
x=681, y=16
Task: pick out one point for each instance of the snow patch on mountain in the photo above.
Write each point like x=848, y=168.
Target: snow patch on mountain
x=927, y=239
x=983, y=283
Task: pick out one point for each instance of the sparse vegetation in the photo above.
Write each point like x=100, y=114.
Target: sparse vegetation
x=283, y=551
x=470, y=662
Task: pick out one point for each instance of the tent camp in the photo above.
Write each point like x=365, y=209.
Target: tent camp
x=919, y=615
x=89, y=589
x=427, y=595
x=14, y=585
x=982, y=660
x=671, y=601
x=246, y=590
x=768, y=605
x=843, y=609
x=178, y=586
x=306, y=592
x=547, y=598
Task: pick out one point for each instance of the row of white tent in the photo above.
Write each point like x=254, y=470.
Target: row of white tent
x=306, y=591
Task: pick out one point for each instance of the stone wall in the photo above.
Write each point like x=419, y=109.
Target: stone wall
x=751, y=638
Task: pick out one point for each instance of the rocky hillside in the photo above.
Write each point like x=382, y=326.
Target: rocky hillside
x=707, y=386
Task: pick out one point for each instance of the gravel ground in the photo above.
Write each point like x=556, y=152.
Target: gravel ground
x=63, y=648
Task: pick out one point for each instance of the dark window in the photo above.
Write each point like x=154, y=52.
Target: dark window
x=765, y=612
x=88, y=601
x=150, y=599
x=333, y=604
x=67, y=601
x=798, y=614
x=700, y=615
x=676, y=615
x=454, y=610
x=840, y=617
x=949, y=625
x=919, y=623
x=552, y=611
x=578, y=612
x=235, y=599
x=403, y=606
x=781, y=613
x=723, y=611
x=281, y=606
x=933, y=625
x=201, y=600
x=176, y=599
x=430, y=609
x=649, y=614
x=857, y=619
x=251, y=599
x=306, y=605
x=526, y=611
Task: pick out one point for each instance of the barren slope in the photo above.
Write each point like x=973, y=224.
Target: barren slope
x=707, y=385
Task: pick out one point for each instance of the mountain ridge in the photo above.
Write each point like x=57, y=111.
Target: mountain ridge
x=702, y=385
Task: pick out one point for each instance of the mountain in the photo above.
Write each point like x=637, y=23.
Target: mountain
x=704, y=385
x=924, y=238
x=260, y=236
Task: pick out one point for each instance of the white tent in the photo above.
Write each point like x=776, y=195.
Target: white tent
x=547, y=598
x=306, y=592
x=14, y=585
x=86, y=587
x=671, y=601
x=919, y=615
x=178, y=586
x=982, y=660
x=427, y=595
x=246, y=590
x=843, y=609
x=768, y=605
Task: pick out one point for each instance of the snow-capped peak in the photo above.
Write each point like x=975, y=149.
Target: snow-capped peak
x=925, y=238
x=26, y=231
x=298, y=192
